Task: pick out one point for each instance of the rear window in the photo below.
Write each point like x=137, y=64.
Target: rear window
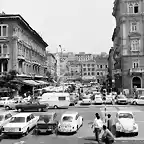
x=61, y=98
x=67, y=118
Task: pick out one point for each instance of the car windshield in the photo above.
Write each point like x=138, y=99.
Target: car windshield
x=67, y=118
x=1, y=117
x=43, y=117
x=121, y=97
x=125, y=115
x=17, y=120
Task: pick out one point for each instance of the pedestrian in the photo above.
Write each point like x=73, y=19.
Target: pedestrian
x=97, y=124
x=109, y=122
x=107, y=137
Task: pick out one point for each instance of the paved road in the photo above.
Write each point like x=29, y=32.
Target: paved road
x=85, y=134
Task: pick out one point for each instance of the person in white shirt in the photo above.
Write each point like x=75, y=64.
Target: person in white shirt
x=97, y=124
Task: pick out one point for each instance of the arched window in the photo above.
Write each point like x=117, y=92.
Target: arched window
x=136, y=8
x=130, y=8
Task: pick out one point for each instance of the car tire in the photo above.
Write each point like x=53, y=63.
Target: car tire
x=27, y=131
x=39, y=109
x=55, y=107
x=117, y=134
x=136, y=133
x=7, y=108
x=135, y=103
x=19, y=109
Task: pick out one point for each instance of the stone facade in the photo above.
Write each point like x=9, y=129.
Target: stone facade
x=128, y=43
x=21, y=47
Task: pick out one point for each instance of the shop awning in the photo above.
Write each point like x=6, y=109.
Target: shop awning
x=42, y=82
x=31, y=82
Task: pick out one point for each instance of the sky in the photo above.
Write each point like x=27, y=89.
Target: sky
x=77, y=25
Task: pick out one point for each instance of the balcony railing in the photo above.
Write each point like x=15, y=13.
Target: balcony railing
x=21, y=57
x=4, y=56
x=137, y=70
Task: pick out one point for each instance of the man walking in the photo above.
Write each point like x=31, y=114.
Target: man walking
x=97, y=124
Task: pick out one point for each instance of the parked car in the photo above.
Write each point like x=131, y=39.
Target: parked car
x=3, y=100
x=5, y=118
x=20, y=124
x=47, y=123
x=125, y=123
x=12, y=104
x=109, y=99
x=86, y=100
x=139, y=101
x=98, y=99
x=70, y=122
x=121, y=99
x=30, y=106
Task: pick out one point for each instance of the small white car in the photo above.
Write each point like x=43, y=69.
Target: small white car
x=98, y=99
x=70, y=122
x=20, y=124
x=5, y=118
x=121, y=99
x=109, y=99
x=86, y=100
x=139, y=101
x=125, y=123
x=4, y=100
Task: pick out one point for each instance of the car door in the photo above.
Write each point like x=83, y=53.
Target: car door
x=29, y=122
x=32, y=120
x=77, y=120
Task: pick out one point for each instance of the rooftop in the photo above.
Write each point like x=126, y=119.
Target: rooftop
x=20, y=19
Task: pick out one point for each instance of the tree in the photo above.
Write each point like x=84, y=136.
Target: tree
x=11, y=81
x=49, y=77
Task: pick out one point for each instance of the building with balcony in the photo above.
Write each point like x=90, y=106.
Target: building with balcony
x=128, y=43
x=21, y=48
x=101, y=62
x=52, y=64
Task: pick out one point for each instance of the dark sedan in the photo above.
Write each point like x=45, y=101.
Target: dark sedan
x=31, y=106
x=47, y=123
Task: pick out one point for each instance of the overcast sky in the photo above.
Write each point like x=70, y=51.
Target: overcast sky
x=76, y=25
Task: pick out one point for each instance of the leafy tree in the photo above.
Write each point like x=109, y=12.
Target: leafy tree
x=11, y=81
x=49, y=77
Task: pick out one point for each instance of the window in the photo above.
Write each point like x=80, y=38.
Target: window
x=61, y=98
x=92, y=73
x=8, y=116
x=3, y=30
x=133, y=8
x=93, y=65
x=98, y=80
x=97, y=73
x=3, y=48
x=97, y=66
x=101, y=66
x=89, y=74
x=89, y=69
x=106, y=66
x=134, y=26
x=84, y=69
x=101, y=73
x=93, y=69
x=135, y=45
x=88, y=65
x=135, y=64
x=17, y=120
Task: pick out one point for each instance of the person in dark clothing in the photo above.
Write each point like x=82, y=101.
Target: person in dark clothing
x=109, y=122
x=107, y=137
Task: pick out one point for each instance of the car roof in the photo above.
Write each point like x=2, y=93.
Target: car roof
x=70, y=113
x=124, y=112
x=22, y=114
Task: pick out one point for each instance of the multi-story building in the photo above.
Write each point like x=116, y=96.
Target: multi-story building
x=21, y=47
x=101, y=68
x=82, y=56
x=52, y=64
x=128, y=43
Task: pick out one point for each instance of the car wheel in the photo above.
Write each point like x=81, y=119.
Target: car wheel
x=135, y=103
x=7, y=107
x=27, y=131
x=55, y=106
x=117, y=134
x=39, y=109
x=19, y=110
x=136, y=133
